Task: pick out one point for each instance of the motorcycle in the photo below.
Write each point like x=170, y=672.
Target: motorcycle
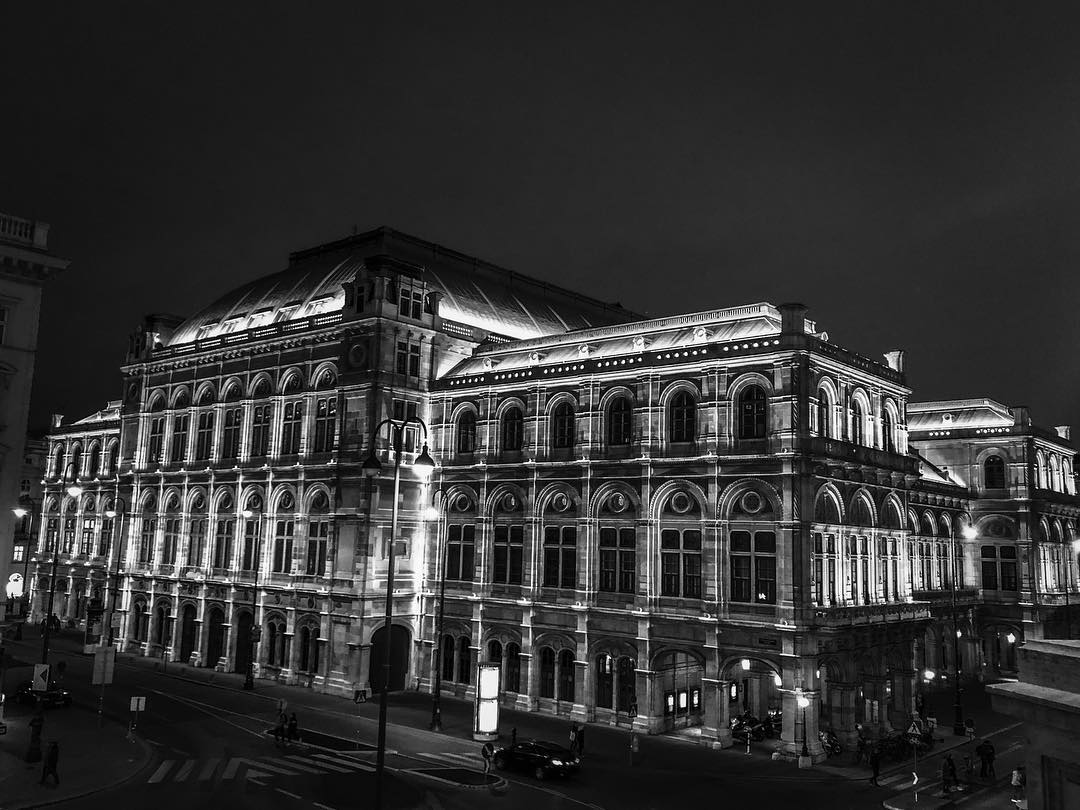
x=830, y=743
x=747, y=725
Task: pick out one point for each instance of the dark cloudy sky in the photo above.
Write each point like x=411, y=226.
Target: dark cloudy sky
x=907, y=171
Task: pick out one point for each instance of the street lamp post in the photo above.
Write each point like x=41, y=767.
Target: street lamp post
x=970, y=533
x=249, y=676
x=21, y=512
x=440, y=569
x=804, y=703
x=423, y=464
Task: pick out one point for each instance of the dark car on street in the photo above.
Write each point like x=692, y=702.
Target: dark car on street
x=540, y=758
x=53, y=696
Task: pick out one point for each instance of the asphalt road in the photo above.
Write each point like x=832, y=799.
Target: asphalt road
x=211, y=747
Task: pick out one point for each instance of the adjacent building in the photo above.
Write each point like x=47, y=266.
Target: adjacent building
x=25, y=265
x=658, y=522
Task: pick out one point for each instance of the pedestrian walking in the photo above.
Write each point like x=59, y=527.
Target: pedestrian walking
x=633, y=748
x=573, y=736
x=487, y=752
x=294, y=731
x=52, y=758
x=969, y=729
x=513, y=736
x=279, y=729
x=948, y=774
x=985, y=753
x=1018, y=782
x=860, y=752
x=875, y=765
x=990, y=756
x=581, y=741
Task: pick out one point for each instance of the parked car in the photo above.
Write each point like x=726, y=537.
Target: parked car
x=538, y=757
x=53, y=696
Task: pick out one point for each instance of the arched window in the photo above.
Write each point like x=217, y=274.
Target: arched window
x=58, y=461
x=562, y=426
x=466, y=432
x=547, y=672
x=858, y=422
x=464, y=661
x=291, y=426
x=566, y=675
x=446, y=650
x=994, y=473
x=824, y=414
x=683, y=418
x=75, y=464
x=95, y=459
x=513, y=668
x=309, y=649
x=752, y=422
x=495, y=651
x=619, y=422
x=888, y=431
x=513, y=430
x=271, y=642
x=1055, y=474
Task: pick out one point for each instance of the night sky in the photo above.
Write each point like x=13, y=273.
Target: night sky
x=908, y=172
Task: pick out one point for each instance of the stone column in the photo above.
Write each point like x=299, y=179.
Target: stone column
x=584, y=710
x=799, y=725
x=842, y=712
x=721, y=711
x=903, y=697
x=874, y=695
x=529, y=679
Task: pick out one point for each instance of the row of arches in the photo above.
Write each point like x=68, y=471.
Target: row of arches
x=291, y=380
x=887, y=512
x=101, y=459
x=856, y=420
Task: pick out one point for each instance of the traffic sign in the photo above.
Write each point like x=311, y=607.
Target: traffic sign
x=41, y=678
x=914, y=728
x=913, y=784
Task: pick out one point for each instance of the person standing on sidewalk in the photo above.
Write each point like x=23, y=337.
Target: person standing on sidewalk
x=875, y=764
x=279, y=729
x=294, y=731
x=581, y=741
x=573, y=736
x=487, y=752
x=52, y=758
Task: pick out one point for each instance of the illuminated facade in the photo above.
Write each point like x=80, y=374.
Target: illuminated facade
x=25, y=266
x=691, y=516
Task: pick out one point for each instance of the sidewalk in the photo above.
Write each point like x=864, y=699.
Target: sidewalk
x=86, y=753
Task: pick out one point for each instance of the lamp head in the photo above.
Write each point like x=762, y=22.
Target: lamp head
x=74, y=490
x=970, y=532
x=1076, y=545
x=424, y=463
x=247, y=513
x=431, y=513
x=110, y=513
x=746, y=664
x=1011, y=638
x=929, y=674
x=371, y=466
x=19, y=512
x=803, y=701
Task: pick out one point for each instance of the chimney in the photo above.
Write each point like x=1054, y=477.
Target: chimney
x=792, y=319
x=1063, y=430
x=895, y=359
x=55, y=420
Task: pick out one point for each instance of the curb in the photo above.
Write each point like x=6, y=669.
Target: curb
x=500, y=784
x=147, y=756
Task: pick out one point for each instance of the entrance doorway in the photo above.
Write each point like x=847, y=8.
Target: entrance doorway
x=243, y=643
x=187, y=633
x=678, y=677
x=215, y=643
x=400, y=639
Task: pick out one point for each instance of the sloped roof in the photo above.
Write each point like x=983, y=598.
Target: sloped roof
x=475, y=292
x=958, y=414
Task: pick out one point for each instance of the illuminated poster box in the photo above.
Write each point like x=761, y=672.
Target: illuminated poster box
x=486, y=710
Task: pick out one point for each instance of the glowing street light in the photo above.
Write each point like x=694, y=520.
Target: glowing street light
x=803, y=703
x=1011, y=638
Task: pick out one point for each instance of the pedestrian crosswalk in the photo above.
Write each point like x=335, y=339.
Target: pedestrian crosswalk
x=455, y=759
x=214, y=769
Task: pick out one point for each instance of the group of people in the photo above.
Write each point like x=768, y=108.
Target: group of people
x=287, y=729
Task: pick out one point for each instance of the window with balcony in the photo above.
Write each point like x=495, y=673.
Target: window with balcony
x=888, y=431
x=825, y=567
x=147, y=536
x=680, y=563
x=618, y=559
x=87, y=546
x=682, y=424
x=858, y=422
x=620, y=417
x=460, y=552
x=105, y=538
x=69, y=535
x=560, y=557
x=196, y=542
x=753, y=567
x=752, y=421
x=52, y=532
x=513, y=430
x=251, y=540
x=156, y=441
x=824, y=414
x=172, y=540
x=509, y=554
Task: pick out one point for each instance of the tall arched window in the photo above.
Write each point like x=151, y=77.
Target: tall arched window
x=291, y=425
x=513, y=430
x=93, y=467
x=466, y=432
x=566, y=675
x=824, y=414
x=683, y=418
x=858, y=422
x=619, y=422
x=888, y=431
x=464, y=661
x=752, y=422
x=994, y=473
x=547, y=672
x=513, y=668
x=562, y=426
x=446, y=650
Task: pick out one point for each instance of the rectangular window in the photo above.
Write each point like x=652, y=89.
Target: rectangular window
x=407, y=359
x=147, y=537
x=247, y=558
x=87, y=537
x=223, y=539
x=765, y=567
x=18, y=553
x=105, y=538
x=69, y=535
x=291, y=426
x=411, y=303
x=178, y=449
x=3, y=332
x=989, y=568
x=509, y=545
x=204, y=436
x=740, y=567
x=618, y=560
x=260, y=430
x=157, y=439
x=560, y=557
x=325, y=425
x=230, y=434
x=753, y=568
x=1008, y=568
x=172, y=540
x=460, y=552
x=283, y=541
x=52, y=531
x=196, y=542
x=404, y=409
x=318, y=534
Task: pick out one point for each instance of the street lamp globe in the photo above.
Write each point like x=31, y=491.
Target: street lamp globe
x=19, y=512
x=929, y=674
x=247, y=513
x=371, y=466
x=1076, y=545
x=803, y=701
x=424, y=463
x=970, y=532
x=74, y=490
x=110, y=513
x=1011, y=638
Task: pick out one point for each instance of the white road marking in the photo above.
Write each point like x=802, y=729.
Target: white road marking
x=185, y=771
x=323, y=806
x=293, y=758
x=253, y=766
x=355, y=765
x=163, y=769
x=208, y=769
x=290, y=762
x=287, y=793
